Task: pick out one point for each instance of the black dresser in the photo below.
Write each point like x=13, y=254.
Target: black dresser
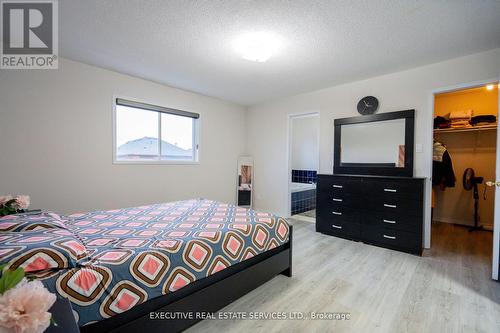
x=383, y=211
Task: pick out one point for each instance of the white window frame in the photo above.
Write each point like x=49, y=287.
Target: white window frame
x=196, y=138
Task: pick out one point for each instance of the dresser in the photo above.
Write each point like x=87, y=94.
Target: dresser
x=383, y=211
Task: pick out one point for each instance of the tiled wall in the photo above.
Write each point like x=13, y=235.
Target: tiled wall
x=303, y=201
x=304, y=176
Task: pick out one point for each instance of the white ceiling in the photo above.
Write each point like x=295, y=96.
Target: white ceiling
x=187, y=43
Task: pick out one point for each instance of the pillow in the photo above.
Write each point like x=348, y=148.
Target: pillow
x=20, y=222
x=41, y=250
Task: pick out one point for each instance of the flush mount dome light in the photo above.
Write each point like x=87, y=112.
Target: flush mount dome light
x=257, y=46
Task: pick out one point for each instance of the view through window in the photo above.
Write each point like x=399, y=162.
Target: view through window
x=138, y=131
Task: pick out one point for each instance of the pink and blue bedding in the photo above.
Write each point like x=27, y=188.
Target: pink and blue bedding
x=107, y=262
x=44, y=220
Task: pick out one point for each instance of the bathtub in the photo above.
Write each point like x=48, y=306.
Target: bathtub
x=303, y=197
x=298, y=187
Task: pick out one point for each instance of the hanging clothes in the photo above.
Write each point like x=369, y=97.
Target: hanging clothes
x=442, y=167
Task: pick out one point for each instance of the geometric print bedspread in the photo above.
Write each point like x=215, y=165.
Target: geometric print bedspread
x=137, y=254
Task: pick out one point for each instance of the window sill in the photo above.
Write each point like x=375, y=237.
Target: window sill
x=156, y=162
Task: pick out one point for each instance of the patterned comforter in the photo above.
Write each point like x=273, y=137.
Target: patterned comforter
x=135, y=254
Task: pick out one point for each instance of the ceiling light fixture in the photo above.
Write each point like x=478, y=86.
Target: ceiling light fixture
x=490, y=86
x=258, y=46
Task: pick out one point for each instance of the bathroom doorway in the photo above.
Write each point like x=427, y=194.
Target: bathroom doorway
x=303, y=165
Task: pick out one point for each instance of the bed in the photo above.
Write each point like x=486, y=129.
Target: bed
x=160, y=267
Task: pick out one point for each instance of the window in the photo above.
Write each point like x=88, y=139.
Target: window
x=150, y=133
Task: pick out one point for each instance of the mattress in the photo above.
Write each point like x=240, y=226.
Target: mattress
x=140, y=253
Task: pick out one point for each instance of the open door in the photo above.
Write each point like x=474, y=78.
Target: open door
x=496, y=225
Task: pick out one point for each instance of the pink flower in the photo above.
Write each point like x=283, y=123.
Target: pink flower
x=24, y=308
x=22, y=202
x=4, y=199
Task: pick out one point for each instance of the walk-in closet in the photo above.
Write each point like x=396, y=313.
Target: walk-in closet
x=464, y=160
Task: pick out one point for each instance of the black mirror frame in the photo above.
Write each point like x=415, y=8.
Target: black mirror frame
x=368, y=168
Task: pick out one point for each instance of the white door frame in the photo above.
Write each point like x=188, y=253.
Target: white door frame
x=428, y=196
x=290, y=117
x=496, y=218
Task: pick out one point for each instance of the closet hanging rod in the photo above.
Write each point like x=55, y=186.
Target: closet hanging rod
x=466, y=129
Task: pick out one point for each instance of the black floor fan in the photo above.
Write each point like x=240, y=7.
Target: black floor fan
x=470, y=183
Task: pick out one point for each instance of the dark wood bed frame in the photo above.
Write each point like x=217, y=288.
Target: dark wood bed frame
x=202, y=297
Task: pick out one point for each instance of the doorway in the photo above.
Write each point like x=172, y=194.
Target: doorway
x=303, y=165
x=464, y=159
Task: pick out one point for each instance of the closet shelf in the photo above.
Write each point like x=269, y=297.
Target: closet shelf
x=466, y=129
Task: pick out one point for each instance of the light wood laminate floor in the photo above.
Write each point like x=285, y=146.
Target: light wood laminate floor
x=447, y=290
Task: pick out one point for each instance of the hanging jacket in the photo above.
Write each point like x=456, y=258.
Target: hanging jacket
x=442, y=167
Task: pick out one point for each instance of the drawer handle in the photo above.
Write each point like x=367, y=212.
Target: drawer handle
x=338, y=200
x=390, y=206
x=336, y=226
x=390, y=237
x=390, y=190
x=389, y=221
x=337, y=213
x=338, y=186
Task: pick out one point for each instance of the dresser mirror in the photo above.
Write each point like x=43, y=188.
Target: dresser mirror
x=380, y=144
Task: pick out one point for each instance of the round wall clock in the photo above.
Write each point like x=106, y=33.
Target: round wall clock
x=368, y=105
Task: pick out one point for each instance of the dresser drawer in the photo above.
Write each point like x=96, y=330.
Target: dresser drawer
x=337, y=211
x=335, y=198
x=397, y=239
x=380, y=220
x=337, y=227
x=340, y=185
x=398, y=207
x=393, y=189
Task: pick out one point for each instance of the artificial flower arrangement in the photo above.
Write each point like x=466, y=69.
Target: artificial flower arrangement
x=12, y=205
x=24, y=304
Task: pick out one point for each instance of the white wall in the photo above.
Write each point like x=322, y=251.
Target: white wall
x=410, y=89
x=305, y=143
x=56, y=141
